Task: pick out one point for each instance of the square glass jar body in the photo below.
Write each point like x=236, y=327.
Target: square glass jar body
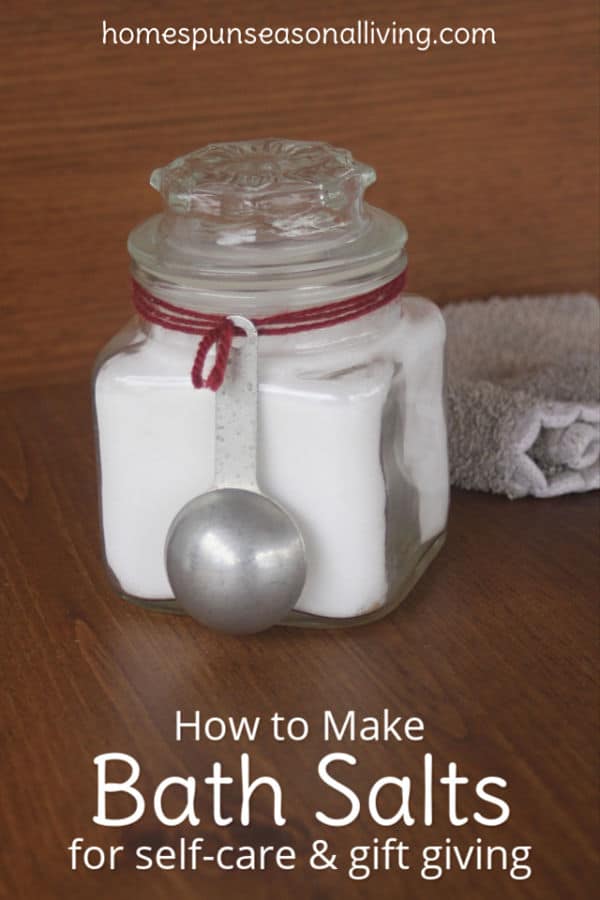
x=351, y=438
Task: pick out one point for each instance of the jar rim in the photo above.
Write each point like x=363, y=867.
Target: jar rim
x=358, y=266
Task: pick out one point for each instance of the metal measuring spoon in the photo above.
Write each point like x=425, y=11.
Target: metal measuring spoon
x=235, y=558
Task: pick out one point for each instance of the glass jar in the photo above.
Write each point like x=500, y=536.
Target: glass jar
x=351, y=430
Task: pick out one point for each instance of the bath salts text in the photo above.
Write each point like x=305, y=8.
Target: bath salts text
x=223, y=796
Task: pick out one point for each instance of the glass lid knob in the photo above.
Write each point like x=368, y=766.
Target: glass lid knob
x=268, y=189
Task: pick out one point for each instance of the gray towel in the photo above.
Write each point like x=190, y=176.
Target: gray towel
x=524, y=394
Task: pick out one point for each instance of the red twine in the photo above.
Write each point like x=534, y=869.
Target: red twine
x=216, y=330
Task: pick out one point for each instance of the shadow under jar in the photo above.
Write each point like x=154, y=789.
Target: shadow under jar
x=351, y=427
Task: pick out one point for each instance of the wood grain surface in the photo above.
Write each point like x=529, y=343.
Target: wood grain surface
x=488, y=153
x=494, y=649
x=490, y=156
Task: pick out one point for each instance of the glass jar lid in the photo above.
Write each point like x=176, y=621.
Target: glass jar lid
x=268, y=215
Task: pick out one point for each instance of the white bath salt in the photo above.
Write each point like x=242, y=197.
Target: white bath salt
x=320, y=415
x=422, y=446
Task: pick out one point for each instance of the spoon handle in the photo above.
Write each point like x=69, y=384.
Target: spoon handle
x=236, y=413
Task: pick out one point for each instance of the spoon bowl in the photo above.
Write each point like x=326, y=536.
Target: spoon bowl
x=235, y=560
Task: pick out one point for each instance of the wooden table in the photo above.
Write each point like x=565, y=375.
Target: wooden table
x=494, y=649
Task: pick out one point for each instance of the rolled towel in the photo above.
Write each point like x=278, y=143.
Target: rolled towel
x=524, y=394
